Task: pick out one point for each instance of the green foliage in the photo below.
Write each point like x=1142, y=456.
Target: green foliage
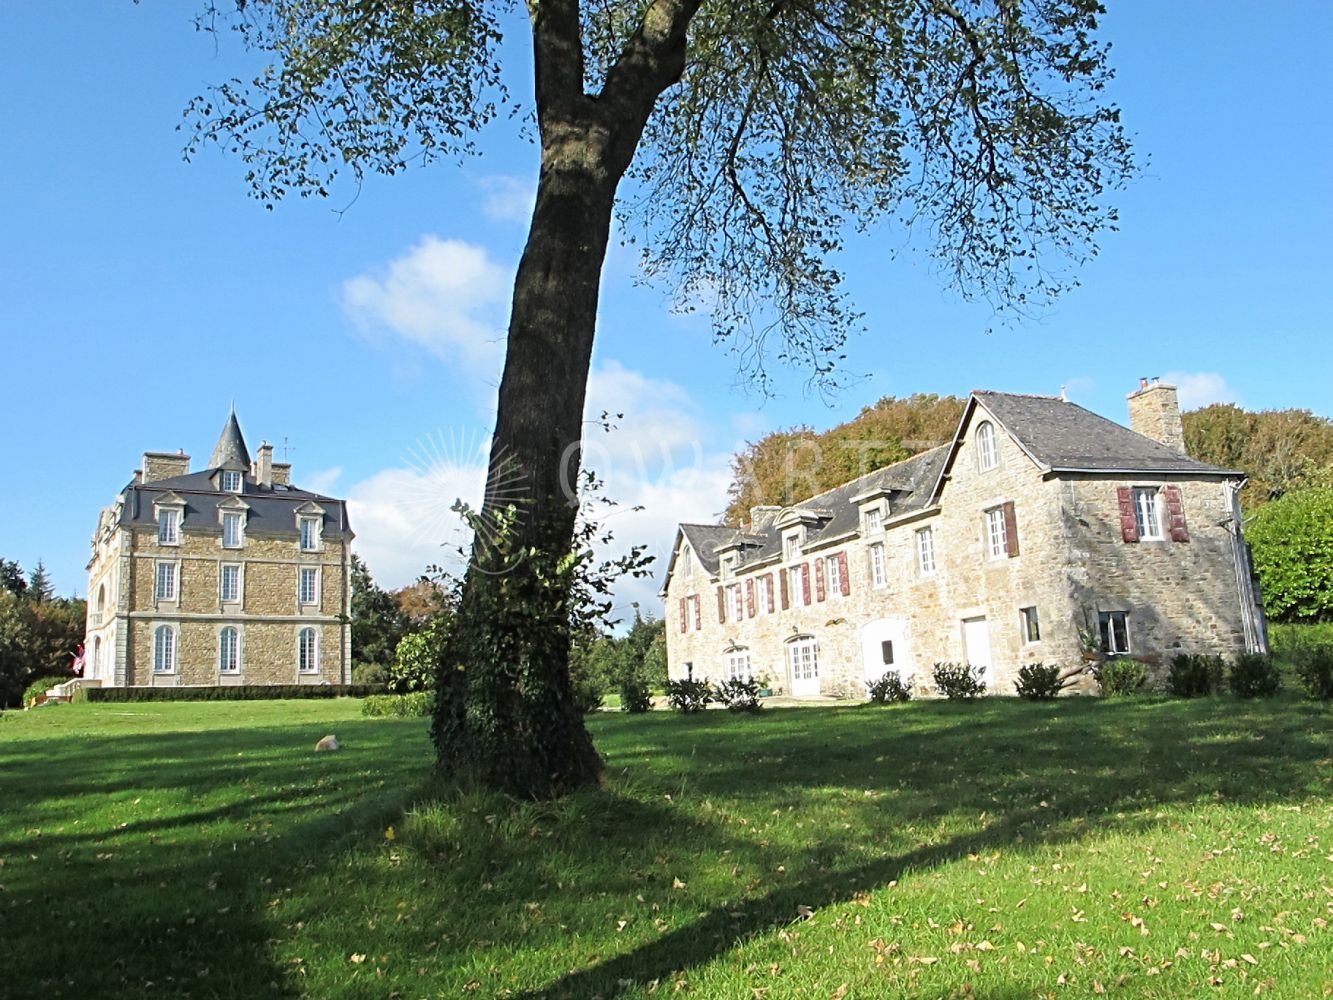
x=239, y=692
x=39, y=687
x=635, y=695
x=1040, y=681
x=1254, y=675
x=416, y=661
x=1194, y=675
x=40, y=589
x=959, y=681
x=399, y=706
x=1120, y=676
x=378, y=624
x=1314, y=667
x=689, y=695
x=889, y=688
x=1279, y=450
x=1292, y=542
x=370, y=674
x=39, y=634
x=739, y=694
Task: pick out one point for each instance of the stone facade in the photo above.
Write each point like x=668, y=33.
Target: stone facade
x=236, y=610
x=1023, y=560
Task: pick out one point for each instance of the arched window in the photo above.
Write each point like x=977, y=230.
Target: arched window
x=737, y=662
x=164, y=650
x=101, y=603
x=987, y=455
x=97, y=658
x=229, y=650
x=307, y=651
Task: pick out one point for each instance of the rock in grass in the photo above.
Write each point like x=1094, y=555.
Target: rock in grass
x=329, y=742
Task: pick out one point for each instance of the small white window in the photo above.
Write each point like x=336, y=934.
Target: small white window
x=997, y=540
x=307, y=651
x=310, y=534
x=164, y=650
x=233, y=529
x=738, y=665
x=308, y=585
x=988, y=457
x=737, y=607
x=796, y=581
x=231, y=482
x=873, y=520
x=229, y=583
x=168, y=527
x=791, y=547
x=166, y=581
x=1030, y=626
x=686, y=561
x=834, y=570
x=1148, y=513
x=925, y=551
x=878, y=573
x=229, y=651
x=763, y=596
x=1114, y=628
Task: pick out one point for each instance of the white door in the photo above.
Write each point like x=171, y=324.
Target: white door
x=803, y=663
x=884, y=648
x=976, y=645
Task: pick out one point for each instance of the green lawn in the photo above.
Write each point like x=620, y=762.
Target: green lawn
x=996, y=850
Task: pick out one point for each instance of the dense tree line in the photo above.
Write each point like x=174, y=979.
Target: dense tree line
x=1279, y=450
x=40, y=634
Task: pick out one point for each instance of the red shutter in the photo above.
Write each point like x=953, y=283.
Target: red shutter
x=721, y=604
x=1175, y=510
x=1129, y=525
x=749, y=598
x=843, y=578
x=786, y=590
x=1010, y=529
x=698, y=612
x=768, y=584
x=684, y=620
x=819, y=579
x=805, y=583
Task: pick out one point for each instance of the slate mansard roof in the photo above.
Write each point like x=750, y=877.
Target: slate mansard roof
x=270, y=510
x=1057, y=435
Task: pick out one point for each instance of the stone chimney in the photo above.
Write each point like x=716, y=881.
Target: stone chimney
x=282, y=473
x=164, y=465
x=263, y=465
x=761, y=518
x=1154, y=412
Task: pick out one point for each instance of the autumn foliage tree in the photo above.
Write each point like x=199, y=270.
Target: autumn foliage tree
x=1278, y=450
x=753, y=140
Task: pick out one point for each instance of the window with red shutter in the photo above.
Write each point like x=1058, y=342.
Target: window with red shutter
x=1010, y=529
x=698, y=612
x=1129, y=525
x=768, y=585
x=819, y=579
x=843, y=577
x=749, y=598
x=1175, y=514
x=805, y=583
x=721, y=605
x=684, y=621
x=786, y=591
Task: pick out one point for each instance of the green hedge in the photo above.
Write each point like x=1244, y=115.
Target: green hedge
x=399, y=706
x=240, y=692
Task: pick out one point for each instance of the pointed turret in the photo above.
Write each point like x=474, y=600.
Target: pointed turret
x=231, y=452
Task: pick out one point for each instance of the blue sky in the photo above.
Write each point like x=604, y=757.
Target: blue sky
x=142, y=295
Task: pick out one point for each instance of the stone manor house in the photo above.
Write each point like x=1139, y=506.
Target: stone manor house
x=226, y=575
x=1041, y=533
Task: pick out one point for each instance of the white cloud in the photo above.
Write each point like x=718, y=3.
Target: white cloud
x=322, y=481
x=508, y=199
x=1198, y=389
x=446, y=296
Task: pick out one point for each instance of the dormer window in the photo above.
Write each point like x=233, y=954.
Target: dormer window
x=874, y=520
x=310, y=534
x=988, y=456
x=231, y=481
x=233, y=529
x=791, y=547
x=169, y=526
x=728, y=565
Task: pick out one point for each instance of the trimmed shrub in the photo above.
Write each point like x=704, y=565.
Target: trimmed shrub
x=244, y=692
x=1120, y=676
x=689, y=695
x=39, y=687
x=399, y=706
x=636, y=695
x=1195, y=675
x=1039, y=681
x=889, y=688
x=959, y=681
x=1254, y=675
x=370, y=674
x=1314, y=666
x=739, y=695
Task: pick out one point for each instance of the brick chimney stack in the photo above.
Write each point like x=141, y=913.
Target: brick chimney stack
x=1154, y=412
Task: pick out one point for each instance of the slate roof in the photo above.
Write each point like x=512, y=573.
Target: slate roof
x=1063, y=436
x=272, y=510
x=230, y=451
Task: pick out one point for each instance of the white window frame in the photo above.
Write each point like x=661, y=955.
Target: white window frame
x=791, y=547
x=171, y=576
x=165, y=659
x=222, y=583
x=239, y=541
x=803, y=656
x=232, y=481
x=1028, y=622
x=686, y=561
x=735, y=602
x=315, y=539
x=169, y=526
x=796, y=584
x=304, y=661
x=879, y=570
x=235, y=659
x=762, y=605
x=304, y=573
x=1106, y=632
x=833, y=573
x=1148, y=513
x=874, y=520
x=925, y=551
x=738, y=664
x=988, y=454
x=997, y=538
